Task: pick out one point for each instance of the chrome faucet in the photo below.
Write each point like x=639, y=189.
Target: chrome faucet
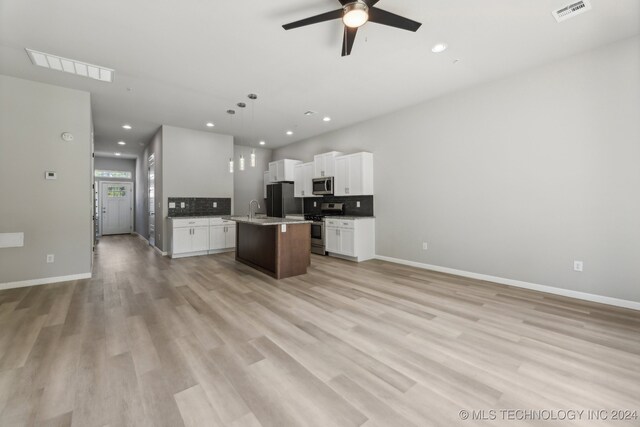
x=251, y=205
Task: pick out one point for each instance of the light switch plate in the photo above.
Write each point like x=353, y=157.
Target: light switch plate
x=283, y=228
x=172, y=205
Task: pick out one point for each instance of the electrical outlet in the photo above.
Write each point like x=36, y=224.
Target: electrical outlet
x=215, y=204
x=183, y=205
x=51, y=258
x=357, y=204
x=578, y=266
x=315, y=204
x=425, y=246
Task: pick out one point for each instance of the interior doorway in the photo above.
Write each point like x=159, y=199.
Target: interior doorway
x=116, y=204
x=151, y=203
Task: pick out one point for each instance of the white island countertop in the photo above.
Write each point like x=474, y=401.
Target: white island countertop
x=270, y=220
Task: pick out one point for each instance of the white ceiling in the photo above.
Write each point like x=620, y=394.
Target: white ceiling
x=186, y=62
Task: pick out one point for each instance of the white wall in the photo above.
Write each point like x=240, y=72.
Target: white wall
x=515, y=178
x=249, y=184
x=54, y=215
x=194, y=164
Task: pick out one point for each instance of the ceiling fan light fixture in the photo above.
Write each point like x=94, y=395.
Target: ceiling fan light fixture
x=356, y=14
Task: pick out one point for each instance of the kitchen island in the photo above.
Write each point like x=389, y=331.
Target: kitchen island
x=279, y=247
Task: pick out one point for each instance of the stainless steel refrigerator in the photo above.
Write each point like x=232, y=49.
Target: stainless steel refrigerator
x=280, y=200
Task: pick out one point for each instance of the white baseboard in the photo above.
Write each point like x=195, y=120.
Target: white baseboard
x=159, y=251
x=44, y=281
x=518, y=283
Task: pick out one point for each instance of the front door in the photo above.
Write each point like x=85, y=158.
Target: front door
x=117, y=207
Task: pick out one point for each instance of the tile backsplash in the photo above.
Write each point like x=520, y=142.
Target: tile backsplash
x=199, y=206
x=350, y=208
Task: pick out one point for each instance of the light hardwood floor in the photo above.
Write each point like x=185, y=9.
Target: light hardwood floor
x=207, y=341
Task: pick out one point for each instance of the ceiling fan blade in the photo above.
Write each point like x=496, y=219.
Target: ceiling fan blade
x=383, y=17
x=328, y=16
x=348, y=39
x=370, y=3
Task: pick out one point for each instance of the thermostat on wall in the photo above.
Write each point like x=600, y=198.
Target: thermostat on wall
x=51, y=175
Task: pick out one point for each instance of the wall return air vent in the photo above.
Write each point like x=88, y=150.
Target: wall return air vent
x=572, y=10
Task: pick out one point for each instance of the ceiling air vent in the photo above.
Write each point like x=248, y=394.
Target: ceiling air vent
x=574, y=9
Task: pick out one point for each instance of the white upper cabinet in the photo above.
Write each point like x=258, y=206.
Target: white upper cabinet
x=354, y=175
x=282, y=170
x=303, y=180
x=324, y=164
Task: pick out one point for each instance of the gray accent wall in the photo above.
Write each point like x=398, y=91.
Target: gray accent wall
x=55, y=215
x=194, y=164
x=515, y=178
x=249, y=184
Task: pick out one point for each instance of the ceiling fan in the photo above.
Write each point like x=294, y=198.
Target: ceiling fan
x=355, y=14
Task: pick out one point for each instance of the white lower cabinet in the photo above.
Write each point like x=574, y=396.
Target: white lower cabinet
x=201, y=236
x=189, y=236
x=351, y=238
x=222, y=234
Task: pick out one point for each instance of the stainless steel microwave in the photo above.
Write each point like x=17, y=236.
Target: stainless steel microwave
x=323, y=186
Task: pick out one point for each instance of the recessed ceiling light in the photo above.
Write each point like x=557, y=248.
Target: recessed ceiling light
x=289, y=132
x=117, y=154
x=210, y=125
x=326, y=119
x=439, y=48
x=70, y=66
x=262, y=142
x=122, y=143
x=127, y=127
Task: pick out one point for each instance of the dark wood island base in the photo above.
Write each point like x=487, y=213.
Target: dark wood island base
x=275, y=252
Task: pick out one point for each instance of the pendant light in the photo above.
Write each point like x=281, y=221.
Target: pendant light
x=231, y=113
x=253, y=97
x=241, y=162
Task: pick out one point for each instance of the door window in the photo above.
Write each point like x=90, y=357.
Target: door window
x=116, y=191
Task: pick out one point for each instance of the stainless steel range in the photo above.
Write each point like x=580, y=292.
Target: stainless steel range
x=318, y=228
